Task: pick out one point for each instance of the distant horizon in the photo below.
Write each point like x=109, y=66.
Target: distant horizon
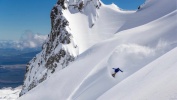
x=19, y=16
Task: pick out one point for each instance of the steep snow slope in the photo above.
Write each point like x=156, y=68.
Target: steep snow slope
x=82, y=24
x=109, y=20
x=156, y=81
x=89, y=77
x=151, y=10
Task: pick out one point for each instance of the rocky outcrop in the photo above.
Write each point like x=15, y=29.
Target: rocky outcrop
x=59, y=50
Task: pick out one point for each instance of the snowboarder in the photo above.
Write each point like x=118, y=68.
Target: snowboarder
x=116, y=70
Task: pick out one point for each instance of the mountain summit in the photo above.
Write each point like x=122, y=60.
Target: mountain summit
x=60, y=48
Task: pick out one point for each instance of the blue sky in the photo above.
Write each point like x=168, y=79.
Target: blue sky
x=19, y=16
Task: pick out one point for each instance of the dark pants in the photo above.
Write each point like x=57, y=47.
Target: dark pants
x=114, y=74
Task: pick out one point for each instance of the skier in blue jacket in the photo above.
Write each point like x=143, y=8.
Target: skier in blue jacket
x=116, y=70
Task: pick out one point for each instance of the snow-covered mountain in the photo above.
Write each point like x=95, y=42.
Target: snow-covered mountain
x=60, y=47
x=96, y=38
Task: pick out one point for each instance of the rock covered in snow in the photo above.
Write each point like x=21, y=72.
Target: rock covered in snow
x=60, y=48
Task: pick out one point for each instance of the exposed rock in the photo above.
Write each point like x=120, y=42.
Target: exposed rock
x=59, y=50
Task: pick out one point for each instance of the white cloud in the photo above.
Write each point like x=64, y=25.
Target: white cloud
x=30, y=40
x=27, y=40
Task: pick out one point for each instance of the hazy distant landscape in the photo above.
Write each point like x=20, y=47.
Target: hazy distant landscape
x=13, y=56
x=11, y=75
x=12, y=65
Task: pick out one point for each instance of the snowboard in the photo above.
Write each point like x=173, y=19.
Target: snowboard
x=113, y=75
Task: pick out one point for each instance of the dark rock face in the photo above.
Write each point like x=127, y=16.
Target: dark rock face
x=53, y=53
x=59, y=50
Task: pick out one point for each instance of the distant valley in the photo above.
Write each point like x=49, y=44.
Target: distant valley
x=12, y=65
x=14, y=56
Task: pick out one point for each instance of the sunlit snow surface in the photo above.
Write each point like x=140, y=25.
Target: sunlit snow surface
x=142, y=43
x=9, y=93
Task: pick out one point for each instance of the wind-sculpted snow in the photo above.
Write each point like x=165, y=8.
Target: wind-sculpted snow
x=130, y=40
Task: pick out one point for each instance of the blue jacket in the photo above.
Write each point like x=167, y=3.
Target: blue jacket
x=117, y=70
